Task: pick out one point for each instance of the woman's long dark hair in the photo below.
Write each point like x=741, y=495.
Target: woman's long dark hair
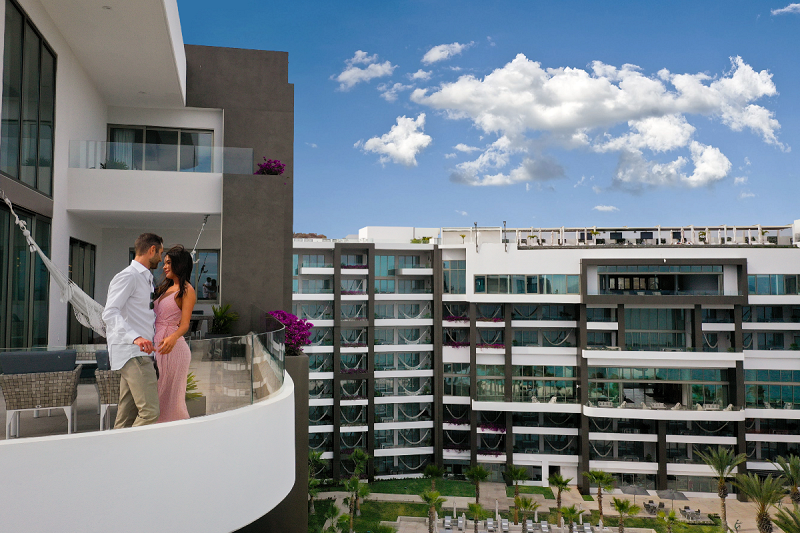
x=181, y=265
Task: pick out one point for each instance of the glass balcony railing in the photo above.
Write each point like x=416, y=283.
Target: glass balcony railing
x=224, y=373
x=160, y=157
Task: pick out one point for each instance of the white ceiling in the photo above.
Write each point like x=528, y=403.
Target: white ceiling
x=132, y=51
x=134, y=220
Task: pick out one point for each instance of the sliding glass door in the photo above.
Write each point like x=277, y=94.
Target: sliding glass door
x=82, y=272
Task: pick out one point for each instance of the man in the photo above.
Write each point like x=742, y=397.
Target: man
x=130, y=328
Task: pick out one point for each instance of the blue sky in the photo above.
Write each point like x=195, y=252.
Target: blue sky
x=536, y=113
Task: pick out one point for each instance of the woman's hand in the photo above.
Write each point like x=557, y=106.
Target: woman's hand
x=167, y=345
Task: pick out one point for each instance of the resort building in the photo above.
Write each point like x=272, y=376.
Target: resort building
x=111, y=127
x=564, y=350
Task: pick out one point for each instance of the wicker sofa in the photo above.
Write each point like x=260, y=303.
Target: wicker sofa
x=32, y=381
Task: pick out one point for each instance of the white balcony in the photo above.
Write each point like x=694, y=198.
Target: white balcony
x=415, y=271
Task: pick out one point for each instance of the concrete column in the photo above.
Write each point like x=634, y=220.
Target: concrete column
x=438, y=364
x=661, y=455
x=583, y=383
x=473, y=379
x=336, y=471
x=508, y=310
x=621, y=327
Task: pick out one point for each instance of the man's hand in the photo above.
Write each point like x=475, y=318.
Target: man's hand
x=144, y=345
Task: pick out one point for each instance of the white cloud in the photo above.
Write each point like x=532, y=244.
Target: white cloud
x=353, y=75
x=597, y=190
x=462, y=213
x=401, y=144
x=742, y=180
x=583, y=181
x=635, y=173
x=444, y=51
x=491, y=41
x=461, y=147
x=450, y=155
x=312, y=145
x=420, y=75
x=605, y=208
x=390, y=92
x=744, y=195
x=535, y=107
x=791, y=8
x=747, y=161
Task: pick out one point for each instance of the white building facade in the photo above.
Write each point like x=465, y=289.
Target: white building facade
x=564, y=350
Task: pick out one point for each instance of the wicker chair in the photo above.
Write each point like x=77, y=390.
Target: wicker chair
x=107, y=383
x=32, y=381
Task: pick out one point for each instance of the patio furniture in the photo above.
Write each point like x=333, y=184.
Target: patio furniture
x=107, y=384
x=39, y=380
x=504, y=525
x=529, y=525
x=490, y=525
x=461, y=523
x=545, y=527
x=447, y=522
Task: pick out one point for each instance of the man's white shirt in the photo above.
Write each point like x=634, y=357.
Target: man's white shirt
x=127, y=313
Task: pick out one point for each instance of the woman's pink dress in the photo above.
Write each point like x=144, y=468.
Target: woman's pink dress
x=174, y=366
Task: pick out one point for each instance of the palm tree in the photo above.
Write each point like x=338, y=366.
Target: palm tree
x=788, y=521
x=723, y=462
x=515, y=474
x=570, y=515
x=791, y=472
x=561, y=484
x=433, y=472
x=670, y=518
x=765, y=492
x=434, y=502
x=478, y=513
x=351, y=486
x=526, y=506
x=625, y=508
x=313, y=491
x=363, y=492
x=360, y=459
x=331, y=515
x=604, y=481
x=477, y=475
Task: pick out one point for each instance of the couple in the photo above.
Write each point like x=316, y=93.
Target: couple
x=143, y=321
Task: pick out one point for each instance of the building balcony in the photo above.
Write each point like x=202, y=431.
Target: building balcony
x=416, y=271
x=249, y=400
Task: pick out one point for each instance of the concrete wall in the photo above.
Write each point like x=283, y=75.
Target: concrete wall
x=291, y=515
x=257, y=211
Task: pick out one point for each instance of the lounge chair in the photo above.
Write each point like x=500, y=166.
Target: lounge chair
x=107, y=384
x=504, y=525
x=529, y=525
x=490, y=525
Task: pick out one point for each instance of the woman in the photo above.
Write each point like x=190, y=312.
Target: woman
x=175, y=299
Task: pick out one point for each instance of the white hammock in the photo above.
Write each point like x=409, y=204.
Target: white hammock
x=422, y=362
x=415, y=443
x=321, y=444
x=609, y=452
x=357, y=418
x=87, y=311
x=325, y=413
x=419, y=340
x=569, y=443
x=357, y=339
x=451, y=439
x=356, y=365
x=496, y=446
x=420, y=465
x=424, y=310
x=554, y=343
x=705, y=338
x=321, y=339
x=400, y=408
x=356, y=444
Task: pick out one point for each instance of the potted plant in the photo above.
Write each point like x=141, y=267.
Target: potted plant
x=223, y=321
x=270, y=167
x=195, y=401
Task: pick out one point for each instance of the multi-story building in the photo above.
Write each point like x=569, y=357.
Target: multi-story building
x=559, y=349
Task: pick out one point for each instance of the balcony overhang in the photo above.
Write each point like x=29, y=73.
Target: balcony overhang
x=133, y=51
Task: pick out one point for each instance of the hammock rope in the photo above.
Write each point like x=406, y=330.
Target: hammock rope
x=321, y=339
x=357, y=443
x=355, y=393
x=447, y=407
x=87, y=311
x=423, y=336
x=415, y=443
x=451, y=439
x=705, y=338
x=525, y=316
x=356, y=365
x=357, y=339
x=496, y=446
x=409, y=392
x=356, y=418
x=400, y=408
x=495, y=339
x=417, y=367
x=558, y=334
x=400, y=459
x=569, y=443
x=321, y=444
x=610, y=451
x=194, y=250
x=322, y=310
x=325, y=413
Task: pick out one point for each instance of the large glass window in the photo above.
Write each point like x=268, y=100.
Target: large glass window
x=455, y=277
x=26, y=139
x=24, y=282
x=206, y=275
x=81, y=272
x=146, y=148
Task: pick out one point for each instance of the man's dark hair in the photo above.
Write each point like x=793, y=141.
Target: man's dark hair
x=145, y=241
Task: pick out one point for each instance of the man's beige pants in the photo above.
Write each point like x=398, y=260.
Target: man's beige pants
x=138, y=394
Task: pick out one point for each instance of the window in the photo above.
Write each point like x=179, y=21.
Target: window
x=455, y=277
x=384, y=286
x=314, y=261
x=352, y=260
x=384, y=266
x=519, y=284
x=81, y=272
x=205, y=275
x=148, y=148
x=772, y=284
x=29, y=95
x=24, y=282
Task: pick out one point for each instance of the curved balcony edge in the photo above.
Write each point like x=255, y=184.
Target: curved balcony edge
x=210, y=474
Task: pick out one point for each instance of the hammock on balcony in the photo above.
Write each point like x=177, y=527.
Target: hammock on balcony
x=345, y=340
x=415, y=443
x=356, y=365
x=558, y=334
x=609, y=452
x=418, y=315
x=451, y=439
x=447, y=408
x=417, y=367
x=321, y=339
x=357, y=418
x=410, y=392
x=496, y=446
x=324, y=414
x=418, y=340
x=569, y=443
x=400, y=409
x=401, y=461
x=88, y=312
x=321, y=444
x=705, y=338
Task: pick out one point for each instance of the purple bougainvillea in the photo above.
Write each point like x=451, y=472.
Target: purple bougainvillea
x=456, y=319
x=297, y=332
x=270, y=167
x=456, y=344
x=490, y=345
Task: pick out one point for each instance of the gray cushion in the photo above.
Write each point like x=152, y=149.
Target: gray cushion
x=103, y=362
x=36, y=362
